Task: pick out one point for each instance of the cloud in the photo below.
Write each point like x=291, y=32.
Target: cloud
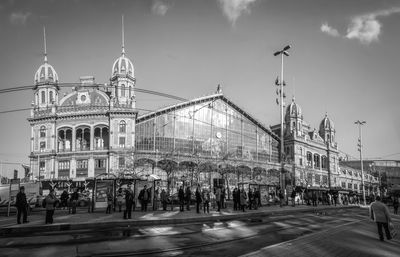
x=160, y=7
x=19, y=18
x=232, y=9
x=367, y=28
x=329, y=30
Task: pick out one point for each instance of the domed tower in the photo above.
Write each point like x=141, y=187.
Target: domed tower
x=327, y=130
x=46, y=83
x=293, y=119
x=123, y=78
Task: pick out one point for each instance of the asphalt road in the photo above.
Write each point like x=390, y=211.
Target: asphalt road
x=232, y=238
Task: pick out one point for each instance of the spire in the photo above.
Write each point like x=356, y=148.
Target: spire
x=44, y=41
x=123, y=37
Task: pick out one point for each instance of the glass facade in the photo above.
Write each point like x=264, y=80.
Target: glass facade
x=209, y=129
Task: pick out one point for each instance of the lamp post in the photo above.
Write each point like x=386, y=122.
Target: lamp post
x=282, y=52
x=360, y=123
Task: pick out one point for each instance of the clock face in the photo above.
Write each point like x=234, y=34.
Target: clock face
x=218, y=135
x=83, y=98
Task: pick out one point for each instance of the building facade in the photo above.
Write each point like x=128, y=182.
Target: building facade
x=81, y=134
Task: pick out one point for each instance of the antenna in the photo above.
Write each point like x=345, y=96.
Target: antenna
x=294, y=88
x=123, y=36
x=44, y=41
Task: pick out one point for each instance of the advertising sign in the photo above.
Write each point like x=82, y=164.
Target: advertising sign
x=14, y=189
x=101, y=189
x=264, y=194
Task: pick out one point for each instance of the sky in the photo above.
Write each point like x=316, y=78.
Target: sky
x=344, y=59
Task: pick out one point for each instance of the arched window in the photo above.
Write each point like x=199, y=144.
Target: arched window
x=43, y=97
x=130, y=92
x=51, y=97
x=324, y=162
x=122, y=127
x=42, y=131
x=123, y=90
x=316, y=161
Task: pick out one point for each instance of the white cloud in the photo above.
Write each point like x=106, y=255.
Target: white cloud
x=329, y=30
x=19, y=18
x=232, y=9
x=367, y=27
x=160, y=7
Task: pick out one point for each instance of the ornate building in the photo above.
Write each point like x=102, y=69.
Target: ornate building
x=95, y=129
x=82, y=134
x=310, y=155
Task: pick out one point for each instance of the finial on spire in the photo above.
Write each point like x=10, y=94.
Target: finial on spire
x=219, y=89
x=44, y=41
x=123, y=36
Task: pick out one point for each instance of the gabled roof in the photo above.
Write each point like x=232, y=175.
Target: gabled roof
x=203, y=99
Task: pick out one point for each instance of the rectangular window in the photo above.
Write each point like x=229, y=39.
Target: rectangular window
x=324, y=179
x=301, y=161
x=350, y=186
x=100, y=163
x=122, y=142
x=343, y=184
x=42, y=146
x=63, y=165
x=81, y=164
x=317, y=178
x=121, y=162
x=355, y=186
x=42, y=169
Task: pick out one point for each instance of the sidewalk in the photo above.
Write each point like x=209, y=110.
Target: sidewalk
x=359, y=239
x=99, y=219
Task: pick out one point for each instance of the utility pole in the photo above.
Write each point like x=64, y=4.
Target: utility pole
x=360, y=123
x=281, y=84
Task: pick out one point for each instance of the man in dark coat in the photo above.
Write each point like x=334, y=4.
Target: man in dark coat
x=74, y=200
x=235, y=199
x=22, y=206
x=64, y=199
x=181, y=197
x=144, y=198
x=251, y=198
x=129, y=203
x=198, y=199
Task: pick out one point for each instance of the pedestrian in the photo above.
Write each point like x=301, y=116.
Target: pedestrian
x=223, y=194
x=109, y=201
x=212, y=198
x=181, y=197
x=22, y=204
x=50, y=203
x=396, y=203
x=164, y=199
x=281, y=198
x=235, y=199
x=120, y=198
x=129, y=202
x=379, y=213
x=143, y=198
x=314, y=198
x=243, y=199
x=64, y=199
x=206, y=200
x=293, y=196
x=251, y=198
x=188, y=197
x=74, y=200
x=198, y=199
x=218, y=198
x=335, y=199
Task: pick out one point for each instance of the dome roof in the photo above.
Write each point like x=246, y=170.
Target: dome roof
x=123, y=66
x=326, y=124
x=293, y=110
x=46, y=74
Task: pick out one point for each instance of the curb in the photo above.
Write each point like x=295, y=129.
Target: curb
x=27, y=230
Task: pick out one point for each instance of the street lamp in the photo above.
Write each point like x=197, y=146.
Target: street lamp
x=282, y=52
x=360, y=123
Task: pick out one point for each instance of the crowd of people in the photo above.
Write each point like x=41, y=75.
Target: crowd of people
x=204, y=199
